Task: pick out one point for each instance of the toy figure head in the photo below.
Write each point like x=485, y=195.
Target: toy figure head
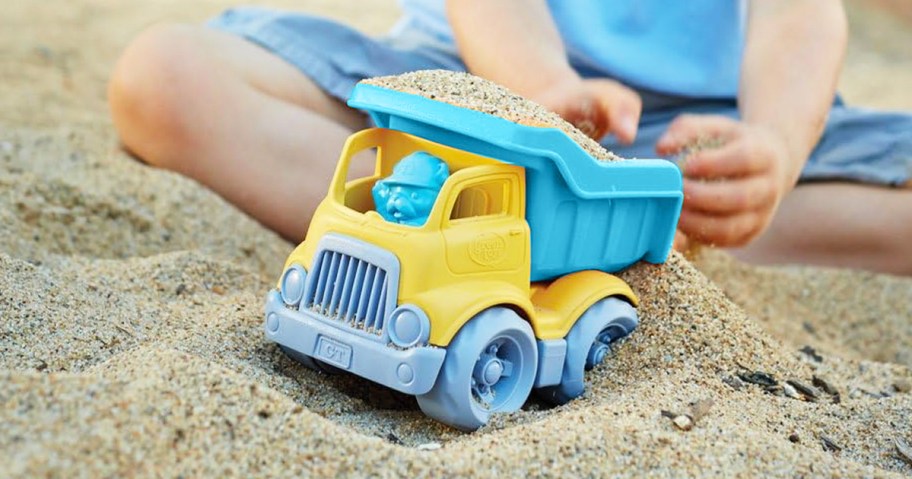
x=407, y=195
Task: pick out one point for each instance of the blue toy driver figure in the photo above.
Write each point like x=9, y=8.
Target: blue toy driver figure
x=407, y=196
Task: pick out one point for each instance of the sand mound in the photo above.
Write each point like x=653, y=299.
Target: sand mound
x=72, y=192
x=860, y=314
x=131, y=341
x=183, y=375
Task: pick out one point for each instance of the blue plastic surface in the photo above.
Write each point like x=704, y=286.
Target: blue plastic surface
x=489, y=368
x=353, y=283
x=551, y=355
x=339, y=322
x=603, y=323
x=407, y=195
x=411, y=371
x=583, y=213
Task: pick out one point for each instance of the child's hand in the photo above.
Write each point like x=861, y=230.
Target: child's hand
x=730, y=192
x=595, y=106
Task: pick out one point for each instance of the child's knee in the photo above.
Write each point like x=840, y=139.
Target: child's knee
x=150, y=87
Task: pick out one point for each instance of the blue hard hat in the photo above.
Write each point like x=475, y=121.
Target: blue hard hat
x=420, y=169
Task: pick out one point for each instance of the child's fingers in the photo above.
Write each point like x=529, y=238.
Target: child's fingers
x=622, y=107
x=687, y=129
x=726, y=231
x=596, y=107
x=733, y=159
x=729, y=197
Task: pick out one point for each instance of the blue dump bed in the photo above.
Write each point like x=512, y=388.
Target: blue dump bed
x=583, y=213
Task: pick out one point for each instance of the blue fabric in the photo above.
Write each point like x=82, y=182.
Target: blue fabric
x=332, y=54
x=688, y=48
x=857, y=145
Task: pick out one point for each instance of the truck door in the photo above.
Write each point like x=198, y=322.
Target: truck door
x=485, y=229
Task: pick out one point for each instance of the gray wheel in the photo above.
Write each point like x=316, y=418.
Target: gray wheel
x=489, y=367
x=588, y=343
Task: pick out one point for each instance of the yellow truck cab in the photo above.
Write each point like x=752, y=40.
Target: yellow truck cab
x=453, y=310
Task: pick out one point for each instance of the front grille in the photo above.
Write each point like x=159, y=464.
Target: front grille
x=350, y=290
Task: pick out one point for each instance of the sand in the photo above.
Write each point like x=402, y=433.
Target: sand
x=131, y=303
x=468, y=91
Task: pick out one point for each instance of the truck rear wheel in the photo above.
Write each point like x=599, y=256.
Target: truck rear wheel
x=490, y=367
x=588, y=343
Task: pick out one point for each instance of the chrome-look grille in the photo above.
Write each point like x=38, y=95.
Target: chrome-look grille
x=349, y=290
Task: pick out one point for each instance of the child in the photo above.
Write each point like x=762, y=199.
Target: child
x=252, y=106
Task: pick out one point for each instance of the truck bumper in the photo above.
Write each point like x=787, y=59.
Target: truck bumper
x=411, y=371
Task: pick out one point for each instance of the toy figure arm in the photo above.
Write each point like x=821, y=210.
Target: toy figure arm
x=537, y=67
x=792, y=58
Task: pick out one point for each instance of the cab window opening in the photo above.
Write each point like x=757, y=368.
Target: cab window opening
x=486, y=199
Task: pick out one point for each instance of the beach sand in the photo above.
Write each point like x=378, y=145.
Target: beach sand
x=131, y=338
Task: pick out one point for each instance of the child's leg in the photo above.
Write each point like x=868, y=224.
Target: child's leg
x=839, y=224
x=232, y=116
x=253, y=106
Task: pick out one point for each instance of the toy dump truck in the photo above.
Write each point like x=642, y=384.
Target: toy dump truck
x=503, y=288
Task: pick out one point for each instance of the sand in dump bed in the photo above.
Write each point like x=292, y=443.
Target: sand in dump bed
x=469, y=91
x=131, y=341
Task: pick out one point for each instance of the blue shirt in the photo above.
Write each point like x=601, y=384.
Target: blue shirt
x=689, y=48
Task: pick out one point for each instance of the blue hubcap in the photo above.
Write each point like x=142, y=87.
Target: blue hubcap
x=597, y=354
x=489, y=370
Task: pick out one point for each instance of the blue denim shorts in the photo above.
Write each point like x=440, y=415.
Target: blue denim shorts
x=858, y=145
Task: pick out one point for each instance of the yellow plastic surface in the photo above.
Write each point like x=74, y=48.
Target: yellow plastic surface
x=560, y=303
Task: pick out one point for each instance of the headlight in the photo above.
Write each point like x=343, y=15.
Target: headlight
x=292, y=284
x=408, y=326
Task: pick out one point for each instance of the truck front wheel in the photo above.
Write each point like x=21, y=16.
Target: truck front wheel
x=489, y=367
x=588, y=342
